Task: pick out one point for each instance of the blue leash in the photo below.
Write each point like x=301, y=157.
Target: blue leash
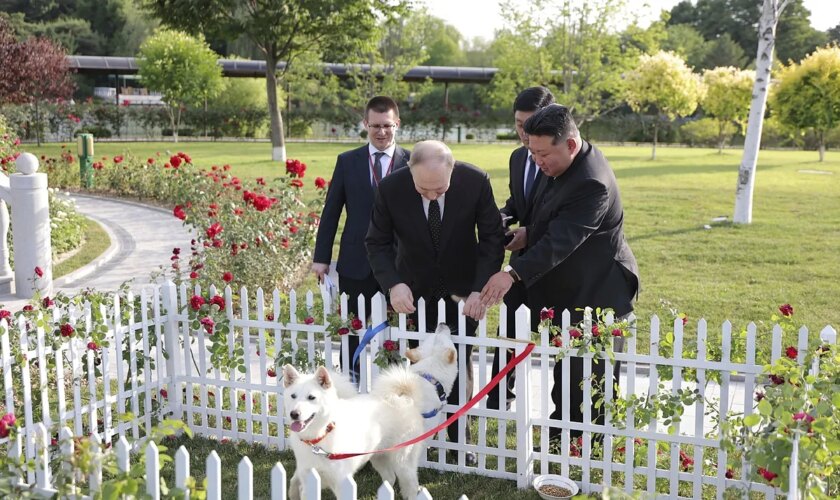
x=369, y=334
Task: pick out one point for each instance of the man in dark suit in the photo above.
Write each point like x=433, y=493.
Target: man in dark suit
x=442, y=215
x=357, y=174
x=577, y=254
x=524, y=180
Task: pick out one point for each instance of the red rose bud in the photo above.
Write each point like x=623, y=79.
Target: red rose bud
x=343, y=331
x=320, y=183
x=786, y=310
x=227, y=276
x=66, y=330
x=390, y=345
x=28, y=307
x=196, y=302
x=685, y=320
x=193, y=275
x=791, y=352
x=92, y=346
x=803, y=416
x=759, y=396
x=271, y=372
x=7, y=423
x=596, y=332
x=218, y=301
x=178, y=212
x=546, y=314
x=729, y=474
x=575, y=333
x=163, y=393
x=766, y=474
x=617, y=332
x=356, y=324
x=557, y=341
x=297, y=183
x=39, y=272
x=309, y=320
x=175, y=161
x=777, y=380
x=4, y=314
x=208, y=324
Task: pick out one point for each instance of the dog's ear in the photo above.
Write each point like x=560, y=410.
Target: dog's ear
x=450, y=355
x=323, y=377
x=412, y=355
x=289, y=375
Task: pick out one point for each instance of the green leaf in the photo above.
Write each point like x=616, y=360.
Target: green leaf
x=765, y=408
x=752, y=420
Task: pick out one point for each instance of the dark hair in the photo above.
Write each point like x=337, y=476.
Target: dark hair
x=532, y=99
x=382, y=104
x=553, y=120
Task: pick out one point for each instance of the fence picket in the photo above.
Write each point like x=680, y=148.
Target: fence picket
x=630, y=423
x=132, y=363
x=424, y=494
x=214, y=476
x=40, y=443
x=123, y=452
x=40, y=354
x=653, y=382
x=152, y=471
x=674, y=470
x=312, y=485
x=116, y=327
x=699, y=411
x=723, y=402
x=278, y=482
x=347, y=489
x=385, y=492
x=95, y=476
x=7, y=363
x=182, y=469
x=245, y=486
x=148, y=390
x=246, y=356
x=262, y=356
x=27, y=391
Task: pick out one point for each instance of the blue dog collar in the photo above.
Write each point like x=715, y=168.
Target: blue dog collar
x=441, y=395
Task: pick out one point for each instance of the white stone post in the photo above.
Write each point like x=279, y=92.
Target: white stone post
x=30, y=227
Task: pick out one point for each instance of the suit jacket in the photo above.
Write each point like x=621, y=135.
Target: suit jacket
x=464, y=263
x=351, y=188
x=517, y=206
x=577, y=254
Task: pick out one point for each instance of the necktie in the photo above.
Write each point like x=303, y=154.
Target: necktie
x=434, y=231
x=377, y=168
x=530, y=177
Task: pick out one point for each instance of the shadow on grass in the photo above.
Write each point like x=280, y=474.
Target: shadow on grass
x=654, y=169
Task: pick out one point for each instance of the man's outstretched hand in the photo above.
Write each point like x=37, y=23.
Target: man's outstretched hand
x=496, y=288
x=401, y=299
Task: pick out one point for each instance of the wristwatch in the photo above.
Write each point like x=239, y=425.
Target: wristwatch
x=512, y=273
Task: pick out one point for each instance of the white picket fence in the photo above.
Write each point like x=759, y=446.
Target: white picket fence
x=157, y=365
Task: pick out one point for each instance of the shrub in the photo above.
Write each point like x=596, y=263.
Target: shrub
x=470, y=137
x=507, y=136
x=704, y=132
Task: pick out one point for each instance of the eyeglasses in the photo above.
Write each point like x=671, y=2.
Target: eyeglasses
x=387, y=127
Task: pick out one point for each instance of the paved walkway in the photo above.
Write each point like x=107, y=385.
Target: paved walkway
x=142, y=239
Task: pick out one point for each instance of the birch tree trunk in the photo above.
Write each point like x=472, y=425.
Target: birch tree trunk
x=770, y=12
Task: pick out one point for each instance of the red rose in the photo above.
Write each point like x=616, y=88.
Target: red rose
x=150, y=161
x=297, y=183
x=320, y=183
x=617, y=332
x=729, y=474
x=214, y=230
x=218, y=301
x=227, y=276
x=575, y=333
x=786, y=310
x=803, y=416
x=7, y=422
x=557, y=341
x=309, y=320
x=271, y=372
x=208, y=324
x=791, y=352
x=777, y=380
x=766, y=474
x=759, y=396
x=196, y=302
x=546, y=314
x=66, y=330
x=4, y=314
x=684, y=319
x=47, y=302
x=92, y=346
x=343, y=330
x=118, y=159
x=193, y=275
x=295, y=168
x=27, y=307
x=596, y=332
x=176, y=251
x=293, y=229
x=356, y=324
x=179, y=212
x=163, y=393
x=175, y=161
x=39, y=272
x=390, y=345
x=262, y=203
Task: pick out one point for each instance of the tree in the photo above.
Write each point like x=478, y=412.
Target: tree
x=31, y=71
x=662, y=84
x=834, y=34
x=727, y=99
x=182, y=68
x=808, y=94
x=770, y=13
x=685, y=41
x=723, y=51
x=282, y=30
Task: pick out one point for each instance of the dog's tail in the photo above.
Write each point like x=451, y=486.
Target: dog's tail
x=398, y=387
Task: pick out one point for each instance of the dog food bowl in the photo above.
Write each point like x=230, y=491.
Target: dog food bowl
x=551, y=486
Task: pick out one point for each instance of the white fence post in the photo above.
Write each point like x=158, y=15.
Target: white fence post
x=311, y=485
x=524, y=429
x=245, y=490
x=6, y=274
x=182, y=470
x=347, y=489
x=172, y=344
x=214, y=476
x=26, y=192
x=278, y=482
x=152, y=471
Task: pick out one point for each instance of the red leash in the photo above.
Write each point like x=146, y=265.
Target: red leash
x=472, y=402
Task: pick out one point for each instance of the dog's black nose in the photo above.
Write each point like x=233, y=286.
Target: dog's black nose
x=294, y=414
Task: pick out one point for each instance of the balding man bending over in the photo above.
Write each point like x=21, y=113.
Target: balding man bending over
x=442, y=215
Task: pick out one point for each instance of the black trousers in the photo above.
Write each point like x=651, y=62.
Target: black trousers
x=368, y=287
x=513, y=299
x=451, y=321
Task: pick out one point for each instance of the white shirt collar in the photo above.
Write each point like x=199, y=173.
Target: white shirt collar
x=389, y=151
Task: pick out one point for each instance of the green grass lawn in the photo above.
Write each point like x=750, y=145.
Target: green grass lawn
x=741, y=273
x=95, y=241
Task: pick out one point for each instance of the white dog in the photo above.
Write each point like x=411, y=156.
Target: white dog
x=392, y=413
